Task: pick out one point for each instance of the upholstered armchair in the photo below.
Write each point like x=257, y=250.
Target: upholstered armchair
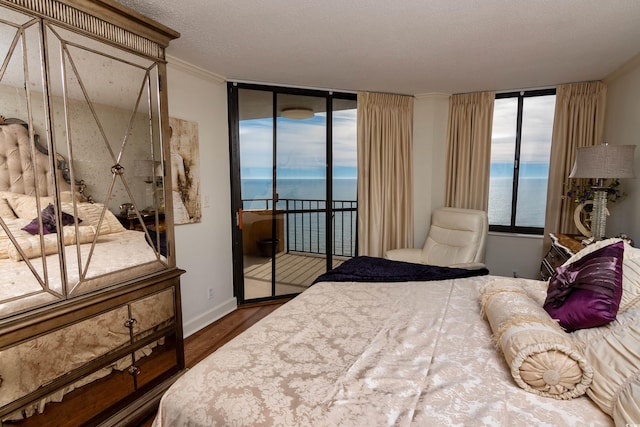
x=457, y=238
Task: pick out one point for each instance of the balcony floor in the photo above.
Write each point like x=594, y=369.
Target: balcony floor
x=295, y=272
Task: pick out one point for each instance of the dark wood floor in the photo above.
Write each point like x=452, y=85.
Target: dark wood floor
x=206, y=341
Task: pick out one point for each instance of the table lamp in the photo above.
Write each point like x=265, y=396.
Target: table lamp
x=601, y=162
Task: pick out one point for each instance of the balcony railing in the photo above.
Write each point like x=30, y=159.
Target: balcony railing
x=304, y=222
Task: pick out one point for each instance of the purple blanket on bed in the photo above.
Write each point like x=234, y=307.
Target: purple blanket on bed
x=370, y=269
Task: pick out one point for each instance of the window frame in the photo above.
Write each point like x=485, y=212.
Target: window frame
x=513, y=228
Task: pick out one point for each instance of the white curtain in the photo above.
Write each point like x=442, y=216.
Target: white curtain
x=578, y=122
x=385, y=188
x=469, y=150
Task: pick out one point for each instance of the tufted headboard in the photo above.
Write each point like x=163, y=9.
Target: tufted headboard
x=19, y=173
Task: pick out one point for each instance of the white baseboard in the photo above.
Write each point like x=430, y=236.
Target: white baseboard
x=205, y=319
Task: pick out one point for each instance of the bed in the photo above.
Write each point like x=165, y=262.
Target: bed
x=458, y=351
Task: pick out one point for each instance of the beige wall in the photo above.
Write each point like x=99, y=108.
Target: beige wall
x=204, y=248
x=622, y=126
x=430, y=114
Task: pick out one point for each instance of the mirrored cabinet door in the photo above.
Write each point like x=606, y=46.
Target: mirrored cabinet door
x=82, y=190
x=111, y=130
x=26, y=187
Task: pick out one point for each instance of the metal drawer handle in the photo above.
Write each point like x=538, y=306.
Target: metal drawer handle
x=130, y=323
x=134, y=370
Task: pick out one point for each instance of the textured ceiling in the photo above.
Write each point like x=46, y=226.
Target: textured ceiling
x=402, y=46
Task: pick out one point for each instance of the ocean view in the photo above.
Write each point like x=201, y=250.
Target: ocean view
x=307, y=231
x=532, y=201
x=297, y=188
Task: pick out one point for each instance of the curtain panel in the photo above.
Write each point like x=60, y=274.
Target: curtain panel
x=469, y=150
x=578, y=122
x=385, y=187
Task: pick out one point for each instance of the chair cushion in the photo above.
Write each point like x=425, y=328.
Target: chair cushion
x=456, y=236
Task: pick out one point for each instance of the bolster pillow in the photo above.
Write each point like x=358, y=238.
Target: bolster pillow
x=31, y=245
x=542, y=357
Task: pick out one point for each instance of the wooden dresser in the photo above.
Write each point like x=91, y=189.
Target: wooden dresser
x=134, y=336
x=562, y=248
x=90, y=311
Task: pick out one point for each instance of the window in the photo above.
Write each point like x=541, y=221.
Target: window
x=520, y=150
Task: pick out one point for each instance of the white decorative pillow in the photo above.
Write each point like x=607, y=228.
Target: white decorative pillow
x=614, y=352
x=542, y=357
x=5, y=208
x=90, y=214
x=25, y=206
x=590, y=248
x=32, y=248
x=630, y=279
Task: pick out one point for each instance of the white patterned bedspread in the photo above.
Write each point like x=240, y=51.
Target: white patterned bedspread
x=362, y=354
x=116, y=257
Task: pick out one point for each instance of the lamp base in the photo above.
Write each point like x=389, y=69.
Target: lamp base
x=599, y=216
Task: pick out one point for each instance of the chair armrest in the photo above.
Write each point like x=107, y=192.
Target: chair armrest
x=413, y=255
x=469, y=265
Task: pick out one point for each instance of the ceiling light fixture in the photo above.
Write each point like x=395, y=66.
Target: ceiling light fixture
x=297, y=113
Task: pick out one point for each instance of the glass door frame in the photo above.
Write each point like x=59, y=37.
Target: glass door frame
x=235, y=177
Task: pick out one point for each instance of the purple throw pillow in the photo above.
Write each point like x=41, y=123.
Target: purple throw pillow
x=48, y=221
x=33, y=228
x=587, y=292
x=49, y=218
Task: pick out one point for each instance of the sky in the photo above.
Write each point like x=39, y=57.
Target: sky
x=301, y=143
x=301, y=146
x=537, y=126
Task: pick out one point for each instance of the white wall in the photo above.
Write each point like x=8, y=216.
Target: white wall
x=514, y=253
x=430, y=115
x=622, y=126
x=204, y=249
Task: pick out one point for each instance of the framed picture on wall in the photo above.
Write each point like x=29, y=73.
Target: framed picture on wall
x=185, y=168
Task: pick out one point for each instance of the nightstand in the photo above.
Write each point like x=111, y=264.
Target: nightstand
x=131, y=221
x=562, y=248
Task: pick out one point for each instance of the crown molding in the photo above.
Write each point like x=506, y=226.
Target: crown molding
x=194, y=70
x=434, y=95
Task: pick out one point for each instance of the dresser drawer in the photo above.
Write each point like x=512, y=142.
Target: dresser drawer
x=28, y=366
x=154, y=311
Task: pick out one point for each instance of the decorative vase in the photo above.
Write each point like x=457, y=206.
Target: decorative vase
x=582, y=216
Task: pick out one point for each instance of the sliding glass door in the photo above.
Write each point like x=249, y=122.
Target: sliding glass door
x=288, y=227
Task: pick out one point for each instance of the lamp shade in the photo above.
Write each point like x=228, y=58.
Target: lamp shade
x=604, y=161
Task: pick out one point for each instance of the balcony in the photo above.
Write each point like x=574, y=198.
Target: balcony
x=300, y=243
